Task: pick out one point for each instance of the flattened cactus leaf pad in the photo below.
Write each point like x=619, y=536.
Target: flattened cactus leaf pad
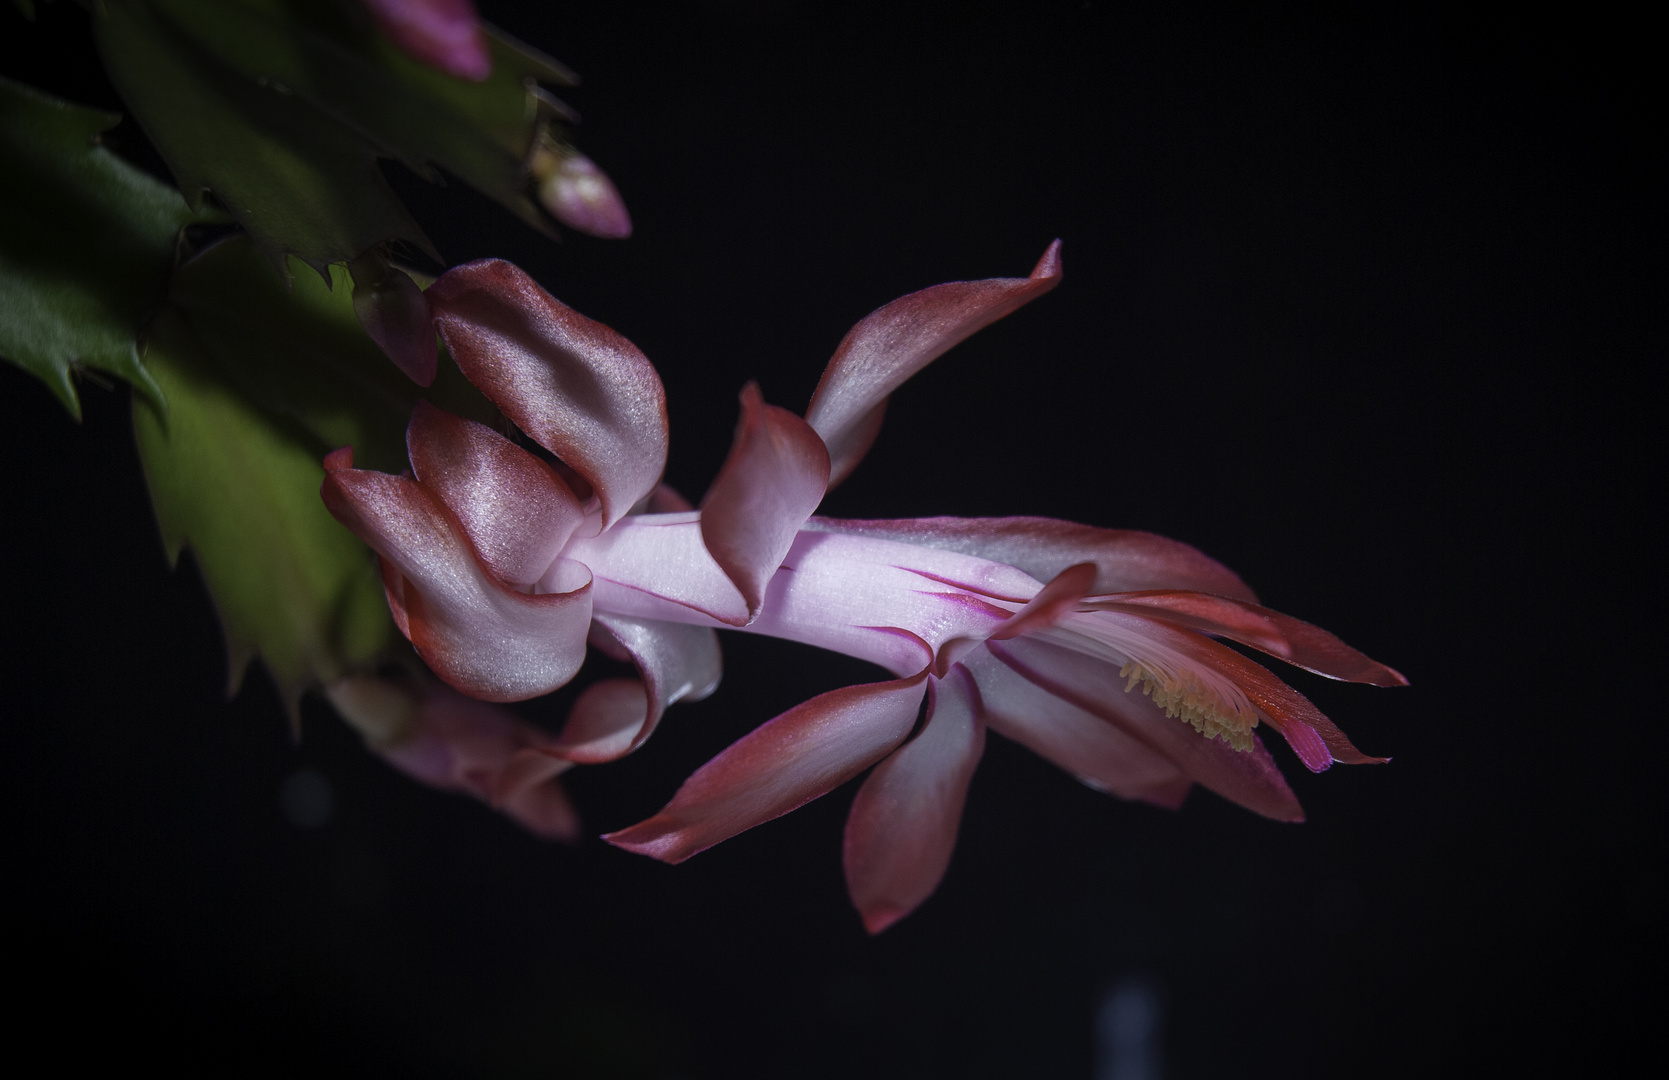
x=86, y=243
x=240, y=486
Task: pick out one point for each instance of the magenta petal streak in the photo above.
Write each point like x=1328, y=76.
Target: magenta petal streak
x=501, y=569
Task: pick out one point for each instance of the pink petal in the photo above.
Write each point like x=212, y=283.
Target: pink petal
x=513, y=507
x=1297, y=642
x=576, y=387
x=582, y=197
x=1126, y=560
x=444, y=34
x=903, y=824
x=660, y=561
x=779, y=766
x=1098, y=753
x=894, y=342
x=773, y=479
x=676, y=662
x=1059, y=596
x=1248, y=778
x=604, y=722
x=856, y=595
x=395, y=315
x=472, y=630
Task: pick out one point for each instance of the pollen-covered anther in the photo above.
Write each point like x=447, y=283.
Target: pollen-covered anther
x=1196, y=702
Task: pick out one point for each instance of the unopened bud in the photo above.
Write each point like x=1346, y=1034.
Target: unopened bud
x=445, y=34
x=578, y=193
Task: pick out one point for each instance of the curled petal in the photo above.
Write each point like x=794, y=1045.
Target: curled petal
x=392, y=310
x=1125, y=559
x=1053, y=601
x=604, y=722
x=675, y=662
x=448, y=741
x=445, y=34
x=897, y=340
x=513, y=507
x=474, y=631
x=1098, y=753
x=575, y=386
x=903, y=824
x=1248, y=778
x=773, y=479
x=779, y=766
x=1297, y=642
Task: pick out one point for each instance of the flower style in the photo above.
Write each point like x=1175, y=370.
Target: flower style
x=500, y=567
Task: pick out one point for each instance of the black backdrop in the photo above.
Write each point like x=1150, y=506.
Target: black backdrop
x=1369, y=306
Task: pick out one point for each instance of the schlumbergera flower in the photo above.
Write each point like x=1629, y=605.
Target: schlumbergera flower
x=1096, y=648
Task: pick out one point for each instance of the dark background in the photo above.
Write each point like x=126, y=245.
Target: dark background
x=1369, y=305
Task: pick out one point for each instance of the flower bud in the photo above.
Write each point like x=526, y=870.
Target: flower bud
x=444, y=34
x=578, y=193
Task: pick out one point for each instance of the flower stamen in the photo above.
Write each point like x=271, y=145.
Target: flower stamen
x=1185, y=696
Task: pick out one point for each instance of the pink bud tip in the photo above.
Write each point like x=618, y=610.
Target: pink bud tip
x=582, y=197
x=445, y=34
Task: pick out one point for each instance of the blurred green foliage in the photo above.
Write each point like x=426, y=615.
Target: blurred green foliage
x=281, y=109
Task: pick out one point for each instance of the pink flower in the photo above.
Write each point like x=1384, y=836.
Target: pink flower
x=1094, y=647
x=445, y=34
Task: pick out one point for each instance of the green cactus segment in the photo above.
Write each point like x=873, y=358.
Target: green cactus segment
x=240, y=487
x=86, y=243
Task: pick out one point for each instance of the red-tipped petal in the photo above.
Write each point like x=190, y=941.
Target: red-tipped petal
x=1297, y=642
x=773, y=479
x=514, y=508
x=675, y=663
x=1125, y=560
x=475, y=632
x=779, y=766
x=1248, y=778
x=1098, y=753
x=903, y=824
x=575, y=386
x=894, y=342
x=1054, y=600
x=445, y=34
